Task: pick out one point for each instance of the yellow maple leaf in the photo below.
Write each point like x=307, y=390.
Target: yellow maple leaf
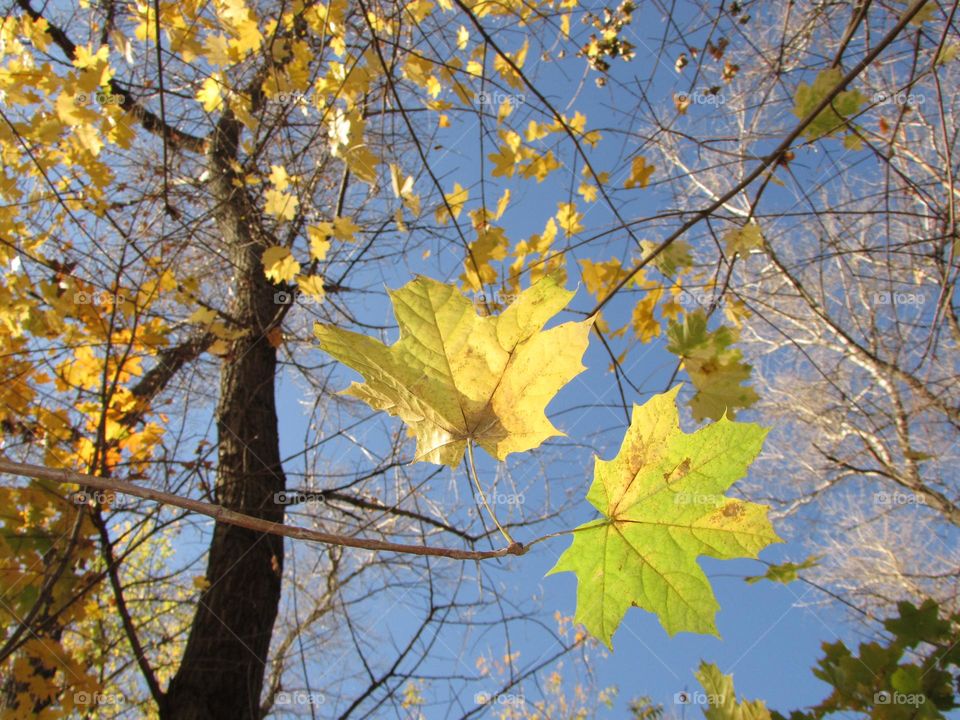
x=455, y=376
x=601, y=277
x=345, y=229
x=280, y=204
x=568, y=218
x=640, y=173
x=644, y=322
x=456, y=199
x=312, y=285
x=202, y=316
x=279, y=264
x=278, y=177
x=502, y=204
x=491, y=244
x=503, y=112
x=541, y=166
x=504, y=162
x=209, y=95
x=217, y=51
x=587, y=191
x=319, y=242
x=200, y=582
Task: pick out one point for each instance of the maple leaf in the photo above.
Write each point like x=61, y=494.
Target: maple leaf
x=455, y=376
x=209, y=95
x=714, y=366
x=312, y=286
x=676, y=256
x=345, y=229
x=569, y=219
x=640, y=173
x=280, y=204
x=279, y=264
x=744, y=239
x=722, y=699
x=831, y=119
x=455, y=199
x=663, y=506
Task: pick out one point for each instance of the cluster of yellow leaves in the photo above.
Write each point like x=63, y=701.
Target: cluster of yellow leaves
x=97, y=343
x=516, y=154
x=587, y=190
x=568, y=218
x=538, y=248
x=280, y=203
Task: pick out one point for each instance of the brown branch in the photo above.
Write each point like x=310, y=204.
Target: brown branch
x=113, y=575
x=230, y=517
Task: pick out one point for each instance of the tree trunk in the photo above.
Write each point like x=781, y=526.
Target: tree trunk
x=221, y=673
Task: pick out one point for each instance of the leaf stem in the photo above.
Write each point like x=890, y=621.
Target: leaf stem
x=472, y=472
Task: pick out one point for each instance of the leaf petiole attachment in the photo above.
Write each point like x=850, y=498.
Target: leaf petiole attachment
x=472, y=472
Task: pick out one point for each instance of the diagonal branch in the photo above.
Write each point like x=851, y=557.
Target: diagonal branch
x=231, y=517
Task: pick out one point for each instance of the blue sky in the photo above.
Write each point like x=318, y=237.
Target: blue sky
x=768, y=641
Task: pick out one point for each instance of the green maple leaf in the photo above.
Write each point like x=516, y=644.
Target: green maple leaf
x=744, y=239
x=663, y=505
x=455, y=376
x=714, y=366
x=676, y=255
x=785, y=572
x=832, y=118
x=722, y=700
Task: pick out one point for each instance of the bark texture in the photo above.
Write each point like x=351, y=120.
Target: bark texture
x=221, y=673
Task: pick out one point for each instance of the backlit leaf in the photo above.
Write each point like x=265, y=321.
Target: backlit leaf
x=663, y=505
x=279, y=264
x=455, y=376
